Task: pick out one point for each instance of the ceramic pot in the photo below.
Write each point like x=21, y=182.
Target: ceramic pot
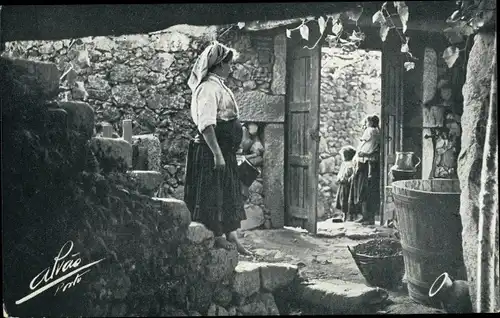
x=405, y=161
x=453, y=295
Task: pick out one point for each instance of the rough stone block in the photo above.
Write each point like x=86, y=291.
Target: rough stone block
x=198, y=233
x=278, y=84
x=81, y=117
x=149, y=180
x=112, y=153
x=260, y=304
x=175, y=212
x=216, y=310
x=247, y=279
x=223, y=295
x=272, y=173
x=153, y=146
x=221, y=264
x=476, y=92
x=339, y=297
x=277, y=275
x=256, y=106
x=32, y=78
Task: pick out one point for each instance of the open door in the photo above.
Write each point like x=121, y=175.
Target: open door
x=302, y=121
x=392, y=113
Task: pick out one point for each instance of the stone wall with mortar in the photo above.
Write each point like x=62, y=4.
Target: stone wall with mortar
x=144, y=78
x=350, y=90
x=155, y=261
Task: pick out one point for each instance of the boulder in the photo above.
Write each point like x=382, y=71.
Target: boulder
x=261, y=304
x=81, y=117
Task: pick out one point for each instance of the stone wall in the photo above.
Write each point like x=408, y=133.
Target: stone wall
x=155, y=261
x=144, y=78
x=350, y=90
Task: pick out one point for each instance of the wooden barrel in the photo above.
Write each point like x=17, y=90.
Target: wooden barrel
x=428, y=214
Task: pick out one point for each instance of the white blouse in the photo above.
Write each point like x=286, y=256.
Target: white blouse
x=212, y=101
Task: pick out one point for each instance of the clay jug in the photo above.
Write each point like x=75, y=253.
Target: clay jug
x=405, y=161
x=453, y=295
x=246, y=141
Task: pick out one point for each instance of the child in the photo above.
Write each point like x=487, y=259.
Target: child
x=343, y=178
x=368, y=149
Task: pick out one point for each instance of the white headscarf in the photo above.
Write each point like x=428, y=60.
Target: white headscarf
x=212, y=55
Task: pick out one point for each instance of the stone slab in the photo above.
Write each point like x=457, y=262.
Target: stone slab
x=247, y=279
x=277, y=275
x=256, y=106
x=272, y=173
x=340, y=297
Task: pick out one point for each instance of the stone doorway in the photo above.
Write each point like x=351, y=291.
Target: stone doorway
x=351, y=88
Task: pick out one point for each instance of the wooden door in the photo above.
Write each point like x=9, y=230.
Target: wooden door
x=392, y=113
x=302, y=121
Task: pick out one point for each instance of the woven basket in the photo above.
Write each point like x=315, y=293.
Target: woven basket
x=380, y=271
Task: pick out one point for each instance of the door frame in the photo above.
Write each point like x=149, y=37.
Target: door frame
x=384, y=180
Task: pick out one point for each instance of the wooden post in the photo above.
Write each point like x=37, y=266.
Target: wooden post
x=127, y=130
x=488, y=203
x=107, y=130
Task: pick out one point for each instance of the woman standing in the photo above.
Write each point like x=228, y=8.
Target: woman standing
x=212, y=191
x=365, y=186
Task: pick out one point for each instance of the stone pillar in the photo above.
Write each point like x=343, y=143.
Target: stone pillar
x=278, y=85
x=127, y=130
x=272, y=173
x=476, y=92
x=429, y=82
x=107, y=130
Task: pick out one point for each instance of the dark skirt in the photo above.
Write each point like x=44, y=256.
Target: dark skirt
x=214, y=196
x=366, y=190
x=342, y=199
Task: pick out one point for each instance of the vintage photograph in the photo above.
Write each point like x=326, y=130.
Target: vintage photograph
x=243, y=159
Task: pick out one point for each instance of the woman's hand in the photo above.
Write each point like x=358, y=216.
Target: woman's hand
x=219, y=162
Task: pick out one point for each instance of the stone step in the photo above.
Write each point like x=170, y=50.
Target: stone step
x=339, y=297
x=149, y=181
x=251, y=277
x=172, y=213
x=113, y=154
